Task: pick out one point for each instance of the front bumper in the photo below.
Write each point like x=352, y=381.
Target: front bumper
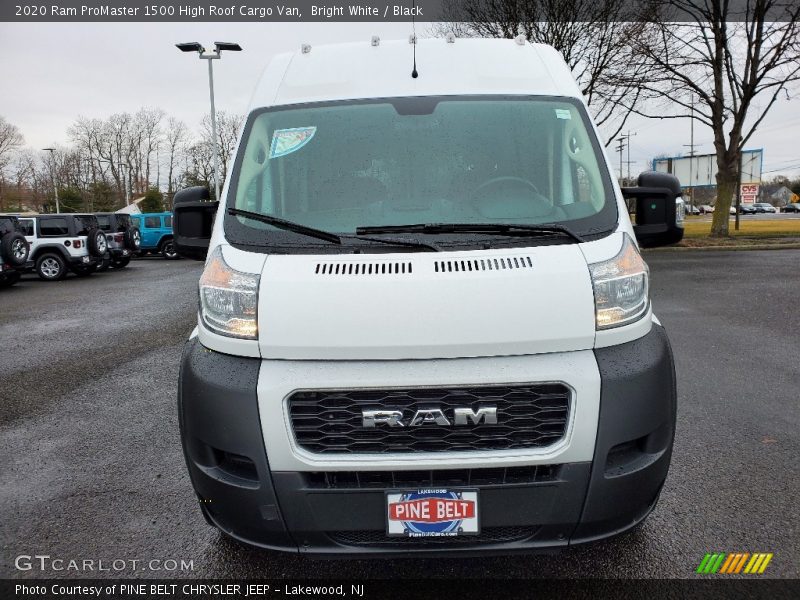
x=545, y=506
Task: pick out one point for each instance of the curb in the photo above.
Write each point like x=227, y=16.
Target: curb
x=791, y=246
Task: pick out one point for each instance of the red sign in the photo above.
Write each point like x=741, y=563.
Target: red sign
x=749, y=193
x=432, y=510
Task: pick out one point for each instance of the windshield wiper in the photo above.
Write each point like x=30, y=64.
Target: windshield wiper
x=321, y=234
x=490, y=228
x=287, y=225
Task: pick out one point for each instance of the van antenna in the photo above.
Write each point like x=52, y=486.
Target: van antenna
x=414, y=73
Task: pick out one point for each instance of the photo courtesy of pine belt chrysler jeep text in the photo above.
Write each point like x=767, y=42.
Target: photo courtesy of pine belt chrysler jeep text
x=424, y=321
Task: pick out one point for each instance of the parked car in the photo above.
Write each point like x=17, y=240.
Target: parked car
x=792, y=208
x=764, y=207
x=156, y=234
x=744, y=209
x=706, y=209
x=124, y=239
x=331, y=399
x=14, y=250
x=692, y=210
x=63, y=242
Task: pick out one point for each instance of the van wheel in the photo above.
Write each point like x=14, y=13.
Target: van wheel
x=168, y=250
x=51, y=267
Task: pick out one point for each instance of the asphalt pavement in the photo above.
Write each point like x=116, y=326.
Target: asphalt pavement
x=91, y=465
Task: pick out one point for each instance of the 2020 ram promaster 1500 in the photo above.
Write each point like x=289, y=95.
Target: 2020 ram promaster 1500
x=424, y=321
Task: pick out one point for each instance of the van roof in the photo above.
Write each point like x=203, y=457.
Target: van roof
x=363, y=70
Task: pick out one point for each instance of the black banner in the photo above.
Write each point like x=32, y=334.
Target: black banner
x=733, y=588
x=144, y=11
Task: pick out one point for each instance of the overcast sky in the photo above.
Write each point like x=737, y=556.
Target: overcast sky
x=51, y=73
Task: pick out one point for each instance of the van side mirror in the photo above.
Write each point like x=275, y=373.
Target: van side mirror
x=192, y=221
x=659, y=209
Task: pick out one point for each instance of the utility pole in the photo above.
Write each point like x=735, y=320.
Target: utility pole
x=628, y=140
x=620, y=148
x=691, y=145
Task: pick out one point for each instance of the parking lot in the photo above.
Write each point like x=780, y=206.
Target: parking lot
x=92, y=465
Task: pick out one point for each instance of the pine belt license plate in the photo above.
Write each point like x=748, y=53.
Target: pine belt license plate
x=432, y=513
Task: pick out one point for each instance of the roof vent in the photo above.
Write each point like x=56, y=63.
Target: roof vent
x=363, y=268
x=305, y=48
x=376, y=41
x=450, y=38
x=520, y=39
x=482, y=264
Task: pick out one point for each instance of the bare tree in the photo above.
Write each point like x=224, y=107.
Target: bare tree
x=228, y=127
x=176, y=136
x=726, y=62
x=594, y=36
x=10, y=141
x=145, y=139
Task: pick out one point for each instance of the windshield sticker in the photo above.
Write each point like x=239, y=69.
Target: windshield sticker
x=286, y=141
x=562, y=113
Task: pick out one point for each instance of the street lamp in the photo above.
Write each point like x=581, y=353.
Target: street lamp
x=211, y=56
x=52, y=176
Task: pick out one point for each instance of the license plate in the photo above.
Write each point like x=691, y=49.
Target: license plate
x=124, y=253
x=432, y=513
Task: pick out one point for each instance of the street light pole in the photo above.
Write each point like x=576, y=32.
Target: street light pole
x=52, y=177
x=211, y=56
x=215, y=150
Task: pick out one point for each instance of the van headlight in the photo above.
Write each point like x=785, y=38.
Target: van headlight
x=229, y=299
x=621, y=287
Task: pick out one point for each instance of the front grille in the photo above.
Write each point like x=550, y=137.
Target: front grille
x=340, y=480
x=528, y=416
x=377, y=537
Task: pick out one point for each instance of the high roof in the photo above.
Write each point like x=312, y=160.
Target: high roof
x=364, y=70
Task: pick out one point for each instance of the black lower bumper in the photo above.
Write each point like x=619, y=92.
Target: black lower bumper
x=521, y=509
x=118, y=253
x=79, y=262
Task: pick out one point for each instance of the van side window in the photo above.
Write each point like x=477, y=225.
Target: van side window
x=152, y=222
x=53, y=227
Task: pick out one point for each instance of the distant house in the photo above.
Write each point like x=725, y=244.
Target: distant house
x=781, y=197
x=132, y=208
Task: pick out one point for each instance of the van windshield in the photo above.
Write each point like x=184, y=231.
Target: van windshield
x=344, y=165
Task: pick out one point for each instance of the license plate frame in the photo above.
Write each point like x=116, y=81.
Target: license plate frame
x=463, y=520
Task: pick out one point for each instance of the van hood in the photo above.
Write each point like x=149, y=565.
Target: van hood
x=422, y=306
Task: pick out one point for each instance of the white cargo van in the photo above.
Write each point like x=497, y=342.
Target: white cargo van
x=424, y=321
